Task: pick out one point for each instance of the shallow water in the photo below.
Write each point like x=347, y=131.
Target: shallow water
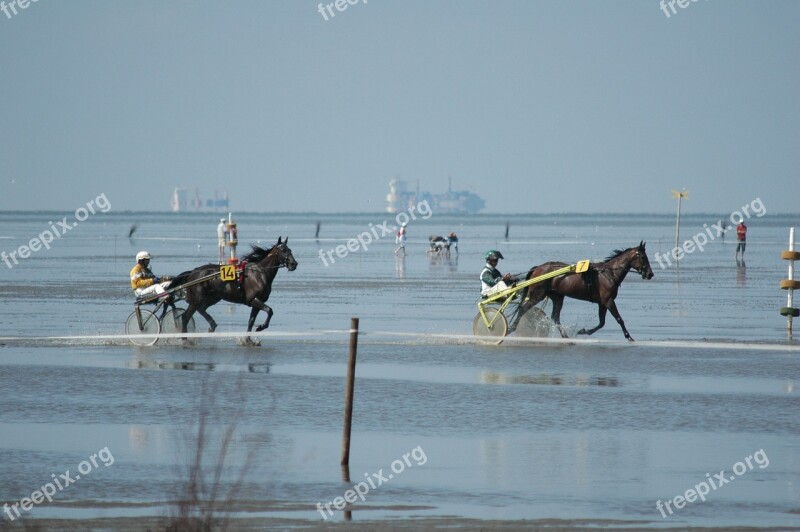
x=563, y=430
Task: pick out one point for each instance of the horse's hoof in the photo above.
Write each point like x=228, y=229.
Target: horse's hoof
x=630, y=339
x=260, y=328
x=582, y=331
x=212, y=329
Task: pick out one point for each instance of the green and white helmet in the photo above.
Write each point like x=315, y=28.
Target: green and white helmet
x=493, y=254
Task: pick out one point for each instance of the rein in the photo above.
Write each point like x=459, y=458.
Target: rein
x=630, y=267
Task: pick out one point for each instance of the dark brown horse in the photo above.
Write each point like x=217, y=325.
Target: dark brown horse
x=261, y=267
x=597, y=285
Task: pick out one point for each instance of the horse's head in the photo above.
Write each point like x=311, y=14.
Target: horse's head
x=640, y=262
x=285, y=257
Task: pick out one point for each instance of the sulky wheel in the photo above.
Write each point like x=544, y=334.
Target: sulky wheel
x=149, y=326
x=534, y=324
x=497, y=329
x=171, y=323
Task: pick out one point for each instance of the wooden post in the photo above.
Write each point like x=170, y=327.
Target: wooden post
x=348, y=394
x=679, y=196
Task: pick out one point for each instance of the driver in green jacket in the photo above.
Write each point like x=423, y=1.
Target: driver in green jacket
x=492, y=281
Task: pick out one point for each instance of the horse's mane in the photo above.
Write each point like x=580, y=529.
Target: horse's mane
x=257, y=254
x=616, y=253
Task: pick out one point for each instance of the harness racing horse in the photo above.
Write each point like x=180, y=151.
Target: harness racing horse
x=260, y=268
x=599, y=284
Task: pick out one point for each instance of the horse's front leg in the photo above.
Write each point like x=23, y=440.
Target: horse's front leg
x=614, y=312
x=257, y=306
x=601, y=313
x=253, y=313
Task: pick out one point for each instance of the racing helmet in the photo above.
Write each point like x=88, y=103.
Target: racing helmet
x=142, y=255
x=493, y=254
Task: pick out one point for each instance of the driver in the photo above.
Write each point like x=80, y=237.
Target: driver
x=143, y=281
x=492, y=281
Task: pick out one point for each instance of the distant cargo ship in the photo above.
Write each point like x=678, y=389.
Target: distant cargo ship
x=400, y=198
x=181, y=202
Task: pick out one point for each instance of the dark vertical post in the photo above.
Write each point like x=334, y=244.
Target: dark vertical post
x=348, y=394
x=507, y=225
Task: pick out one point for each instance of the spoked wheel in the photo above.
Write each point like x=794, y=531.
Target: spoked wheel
x=534, y=323
x=497, y=328
x=171, y=323
x=149, y=326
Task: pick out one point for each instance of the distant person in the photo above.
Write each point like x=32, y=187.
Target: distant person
x=492, y=281
x=222, y=232
x=437, y=243
x=741, y=237
x=401, y=239
x=452, y=240
x=143, y=281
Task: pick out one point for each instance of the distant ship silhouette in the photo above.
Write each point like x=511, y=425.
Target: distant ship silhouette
x=400, y=198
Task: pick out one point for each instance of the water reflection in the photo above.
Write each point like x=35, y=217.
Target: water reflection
x=488, y=377
x=440, y=261
x=741, y=272
x=400, y=266
x=252, y=367
x=157, y=364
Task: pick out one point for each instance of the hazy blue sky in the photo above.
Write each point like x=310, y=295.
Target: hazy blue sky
x=538, y=106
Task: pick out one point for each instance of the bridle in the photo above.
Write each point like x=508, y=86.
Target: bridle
x=640, y=269
x=283, y=258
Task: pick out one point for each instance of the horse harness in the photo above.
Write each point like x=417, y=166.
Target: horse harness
x=589, y=277
x=241, y=270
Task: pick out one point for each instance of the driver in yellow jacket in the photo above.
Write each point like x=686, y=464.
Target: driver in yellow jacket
x=143, y=281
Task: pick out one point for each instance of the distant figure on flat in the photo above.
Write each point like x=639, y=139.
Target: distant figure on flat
x=401, y=239
x=741, y=237
x=452, y=240
x=438, y=244
x=222, y=232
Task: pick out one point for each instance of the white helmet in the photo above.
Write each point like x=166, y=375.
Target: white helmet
x=142, y=255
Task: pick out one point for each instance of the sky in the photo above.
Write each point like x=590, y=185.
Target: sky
x=537, y=106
